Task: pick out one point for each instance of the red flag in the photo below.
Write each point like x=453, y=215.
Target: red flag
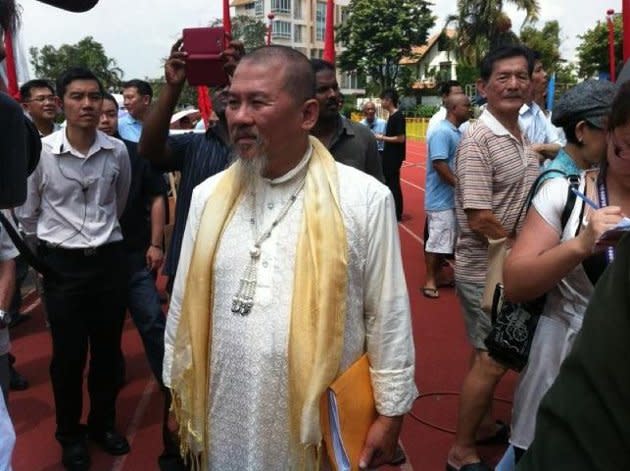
x=12, y=85
x=227, y=22
x=204, y=104
x=329, y=35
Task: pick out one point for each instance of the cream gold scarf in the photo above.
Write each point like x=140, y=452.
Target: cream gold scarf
x=317, y=318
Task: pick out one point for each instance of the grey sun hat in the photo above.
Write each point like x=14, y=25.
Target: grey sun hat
x=587, y=101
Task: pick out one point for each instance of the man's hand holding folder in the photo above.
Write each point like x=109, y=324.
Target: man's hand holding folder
x=381, y=442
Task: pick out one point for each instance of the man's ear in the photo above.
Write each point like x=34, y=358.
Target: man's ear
x=481, y=87
x=310, y=114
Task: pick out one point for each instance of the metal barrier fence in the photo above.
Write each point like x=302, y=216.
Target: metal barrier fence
x=416, y=127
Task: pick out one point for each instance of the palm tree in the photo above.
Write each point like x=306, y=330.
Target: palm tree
x=483, y=25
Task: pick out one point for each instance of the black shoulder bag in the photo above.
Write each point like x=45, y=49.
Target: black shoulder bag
x=514, y=324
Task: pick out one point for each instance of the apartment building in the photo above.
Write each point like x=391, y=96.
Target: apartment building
x=301, y=24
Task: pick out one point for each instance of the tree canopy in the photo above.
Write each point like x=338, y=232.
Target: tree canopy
x=592, y=52
x=545, y=41
x=50, y=62
x=378, y=33
x=483, y=25
x=248, y=29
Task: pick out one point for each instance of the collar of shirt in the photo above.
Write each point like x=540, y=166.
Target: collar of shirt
x=128, y=119
x=495, y=126
x=451, y=126
x=530, y=110
x=291, y=174
x=59, y=144
x=343, y=127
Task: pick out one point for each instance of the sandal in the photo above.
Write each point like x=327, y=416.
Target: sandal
x=431, y=293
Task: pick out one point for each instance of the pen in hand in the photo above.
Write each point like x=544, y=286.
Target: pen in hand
x=585, y=198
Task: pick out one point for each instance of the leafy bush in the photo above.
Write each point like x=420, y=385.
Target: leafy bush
x=423, y=111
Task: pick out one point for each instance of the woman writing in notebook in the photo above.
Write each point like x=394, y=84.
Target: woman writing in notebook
x=562, y=259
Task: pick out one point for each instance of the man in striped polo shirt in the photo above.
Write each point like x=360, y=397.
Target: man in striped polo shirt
x=494, y=170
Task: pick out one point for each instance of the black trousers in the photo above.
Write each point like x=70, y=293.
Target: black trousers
x=391, y=172
x=86, y=309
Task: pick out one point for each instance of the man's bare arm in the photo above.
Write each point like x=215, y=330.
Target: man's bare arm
x=153, y=145
x=155, y=253
x=7, y=283
x=484, y=223
x=445, y=172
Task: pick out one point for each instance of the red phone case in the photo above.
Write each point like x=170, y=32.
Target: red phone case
x=204, y=65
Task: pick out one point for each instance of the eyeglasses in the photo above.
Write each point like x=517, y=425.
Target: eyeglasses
x=42, y=99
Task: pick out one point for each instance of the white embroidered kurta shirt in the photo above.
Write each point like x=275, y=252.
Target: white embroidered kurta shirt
x=249, y=420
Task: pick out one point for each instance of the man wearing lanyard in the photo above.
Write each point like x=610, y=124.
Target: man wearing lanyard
x=74, y=200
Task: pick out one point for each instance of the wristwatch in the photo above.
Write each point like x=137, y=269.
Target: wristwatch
x=5, y=318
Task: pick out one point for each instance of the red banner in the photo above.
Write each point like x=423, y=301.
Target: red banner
x=12, y=85
x=329, y=41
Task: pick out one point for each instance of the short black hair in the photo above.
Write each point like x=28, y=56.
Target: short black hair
x=25, y=90
x=299, y=76
x=391, y=94
x=143, y=87
x=445, y=87
x=505, y=52
x=536, y=56
x=110, y=97
x=76, y=73
x=320, y=64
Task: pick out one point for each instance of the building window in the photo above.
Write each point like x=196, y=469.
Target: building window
x=298, y=33
x=249, y=7
x=259, y=8
x=320, y=21
x=281, y=30
x=297, y=9
x=281, y=6
x=317, y=53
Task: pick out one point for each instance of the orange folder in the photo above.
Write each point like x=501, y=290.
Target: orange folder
x=347, y=411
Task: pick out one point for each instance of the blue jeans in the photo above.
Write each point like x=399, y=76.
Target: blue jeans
x=144, y=306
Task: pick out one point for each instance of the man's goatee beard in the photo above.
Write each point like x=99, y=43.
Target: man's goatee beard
x=249, y=169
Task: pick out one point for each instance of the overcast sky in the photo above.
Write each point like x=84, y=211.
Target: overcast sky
x=139, y=33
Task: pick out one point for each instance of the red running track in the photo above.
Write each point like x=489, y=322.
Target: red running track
x=441, y=359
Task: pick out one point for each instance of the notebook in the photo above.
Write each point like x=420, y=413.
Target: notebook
x=612, y=236
x=347, y=411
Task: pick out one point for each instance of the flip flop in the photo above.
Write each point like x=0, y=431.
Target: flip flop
x=500, y=437
x=431, y=293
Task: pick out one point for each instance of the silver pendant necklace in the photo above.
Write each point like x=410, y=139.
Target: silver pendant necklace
x=243, y=300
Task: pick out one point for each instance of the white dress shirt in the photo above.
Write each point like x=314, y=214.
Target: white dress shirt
x=537, y=126
x=75, y=200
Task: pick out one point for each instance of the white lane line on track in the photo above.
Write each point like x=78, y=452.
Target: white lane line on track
x=33, y=304
x=411, y=233
x=417, y=187
x=141, y=408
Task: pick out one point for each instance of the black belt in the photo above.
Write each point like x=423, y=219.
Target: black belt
x=48, y=247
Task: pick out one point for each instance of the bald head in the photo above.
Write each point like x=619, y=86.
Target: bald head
x=299, y=79
x=457, y=108
x=456, y=99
